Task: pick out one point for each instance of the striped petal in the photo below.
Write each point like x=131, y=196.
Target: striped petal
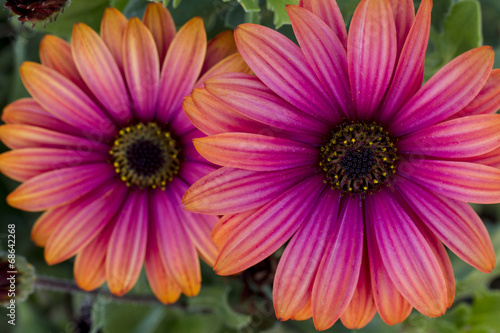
x=47, y=223
x=100, y=71
x=407, y=257
x=461, y=181
x=329, y=12
x=490, y=159
x=488, y=99
x=113, y=25
x=299, y=263
x=23, y=164
x=86, y=218
x=231, y=64
x=455, y=223
x=339, y=270
x=249, y=96
x=404, y=15
x=457, y=138
x=127, y=244
x=327, y=57
x=224, y=229
x=181, y=68
x=228, y=190
x=305, y=313
x=219, y=48
x=408, y=75
x=177, y=251
x=59, y=187
x=281, y=65
x=371, y=40
x=270, y=227
x=90, y=262
x=142, y=68
x=159, y=21
x=255, y=152
x=453, y=87
x=63, y=99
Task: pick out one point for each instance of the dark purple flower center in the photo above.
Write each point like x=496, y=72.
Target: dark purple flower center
x=145, y=155
x=359, y=158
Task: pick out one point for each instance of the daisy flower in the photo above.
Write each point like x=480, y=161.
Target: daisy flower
x=104, y=148
x=336, y=148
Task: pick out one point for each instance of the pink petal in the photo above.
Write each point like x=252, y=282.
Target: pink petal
x=462, y=181
x=224, y=229
x=181, y=68
x=64, y=100
x=457, y=138
x=23, y=164
x=339, y=270
x=446, y=93
x=404, y=15
x=127, y=245
x=249, y=96
x=299, y=263
x=100, y=72
x=408, y=75
x=281, y=65
x=454, y=222
x=233, y=63
x=142, y=69
x=228, y=190
x=59, y=187
x=270, y=227
x=113, y=25
x=329, y=12
x=47, y=223
x=488, y=99
x=85, y=219
x=490, y=159
x=255, y=152
x=371, y=40
x=407, y=256
x=326, y=55
x=159, y=21
x=191, y=172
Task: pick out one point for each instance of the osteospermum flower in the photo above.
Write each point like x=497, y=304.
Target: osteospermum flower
x=104, y=147
x=336, y=146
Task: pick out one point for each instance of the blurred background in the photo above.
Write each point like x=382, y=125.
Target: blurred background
x=240, y=303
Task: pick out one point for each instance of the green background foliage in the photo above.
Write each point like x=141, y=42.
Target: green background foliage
x=231, y=304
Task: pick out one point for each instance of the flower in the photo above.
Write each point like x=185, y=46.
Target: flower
x=104, y=147
x=336, y=147
x=36, y=11
x=17, y=279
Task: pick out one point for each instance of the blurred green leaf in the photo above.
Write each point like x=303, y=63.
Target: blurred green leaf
x=486, y=310
x=119, y=4
x=250, y=5
x=279, y=9
x=347, y=8
x=440, y=10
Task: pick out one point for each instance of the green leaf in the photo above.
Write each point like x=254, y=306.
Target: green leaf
x=250, y=5
x=119, y=4
x=486, y=309
x=347, y=8
x=440, y=10
x=279, y=9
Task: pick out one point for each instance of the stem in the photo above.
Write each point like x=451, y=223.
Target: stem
x=50, y=283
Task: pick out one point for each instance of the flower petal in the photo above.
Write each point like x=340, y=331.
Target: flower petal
x=326, y=55
x=305, y=313
x=404, y=15
x=461, y=181
x=100, y=71
x=181, y=68
x=58, y=187
x=229, y=190
x=281, y=65
x=488, y=99
x=249, y=96
x=407, y=256
x=255, y=152
x=159, y=21
x=371, y=40
x=339, y=270
x=127, y=244
x=270, y=227
x=63, y=99
x=299, y=263
x=224, y=229
x=177, y=251
x=490, y=159
x=218, y=48
x=85, y=219
x=113, y=25
x=142, y=68
x=454, y=222
x=456, y=138
x=23, y=164
x=329, y=12
x=446, y=93
x=408, y=75
x=47, y=223
x=231, y=64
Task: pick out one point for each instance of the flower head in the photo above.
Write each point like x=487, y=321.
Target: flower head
x=336, y=147
x=17, y=278
x=104, y=147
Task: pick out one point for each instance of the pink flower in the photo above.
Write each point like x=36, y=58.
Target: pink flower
x=104, y=147
x=336, y=147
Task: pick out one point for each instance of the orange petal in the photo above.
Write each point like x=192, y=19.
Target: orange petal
x=112, y=27
x=219, y=48
x=159, y=21
x=47, y=223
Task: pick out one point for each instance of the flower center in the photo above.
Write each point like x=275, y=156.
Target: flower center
x=359, y=158
x=145, y=155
